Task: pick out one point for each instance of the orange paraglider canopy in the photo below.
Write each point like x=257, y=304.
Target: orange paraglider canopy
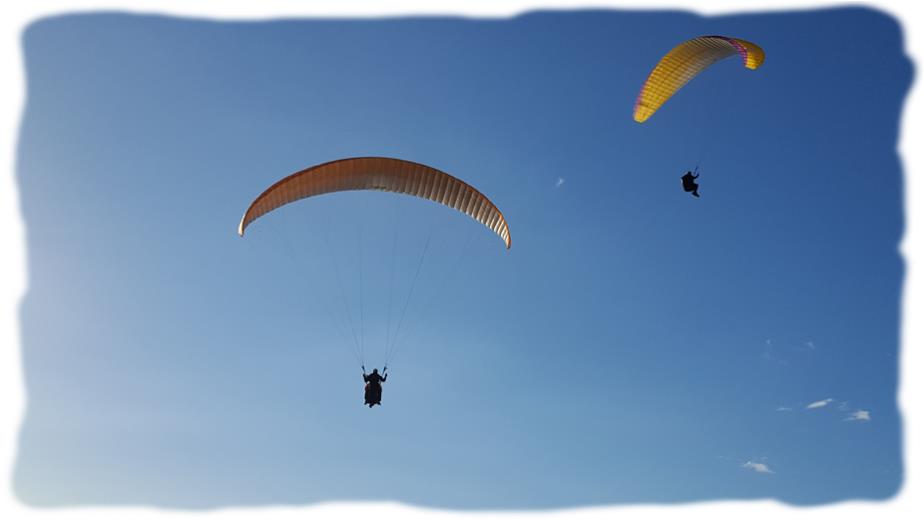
x=384, y=174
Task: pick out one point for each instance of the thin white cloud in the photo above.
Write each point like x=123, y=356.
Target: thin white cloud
x=784, y=408
x=859, y=415
x=771, y=354
x=560, y=182
x=810, y=345
x=758, y=467
x=819, y=404
x=768, y=352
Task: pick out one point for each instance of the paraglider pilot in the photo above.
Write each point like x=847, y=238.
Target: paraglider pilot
x=374, y=385
x=688, y=184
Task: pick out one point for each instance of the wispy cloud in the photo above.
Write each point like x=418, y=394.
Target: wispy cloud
x=758, y=467
x=784, y=408
x=789, y=352
x=859, y=415
x=819, y=404
x=560, y=182
x=770, y=353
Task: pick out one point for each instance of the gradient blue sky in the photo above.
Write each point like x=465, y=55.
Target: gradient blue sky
x=635, y=345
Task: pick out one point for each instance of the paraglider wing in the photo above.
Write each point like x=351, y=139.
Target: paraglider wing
x=684, y=62
x=385, y=174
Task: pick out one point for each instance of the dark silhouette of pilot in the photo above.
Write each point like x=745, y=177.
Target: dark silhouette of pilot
x=374, y=386
x=688, y=184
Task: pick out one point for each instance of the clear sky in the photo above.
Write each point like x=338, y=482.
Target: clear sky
x=634, y=345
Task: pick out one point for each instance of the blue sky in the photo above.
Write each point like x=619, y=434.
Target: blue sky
x=635, y=345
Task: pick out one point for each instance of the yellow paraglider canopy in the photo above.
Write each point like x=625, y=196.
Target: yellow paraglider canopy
x=684, y=62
